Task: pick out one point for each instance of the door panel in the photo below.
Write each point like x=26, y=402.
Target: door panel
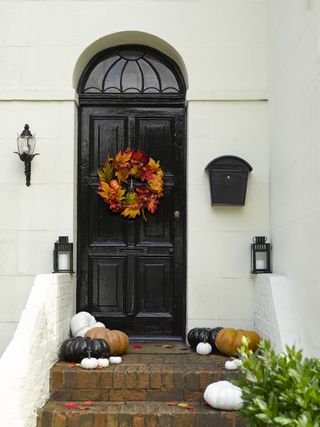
x=155, y=285
x=107, y=284
x=131, y=273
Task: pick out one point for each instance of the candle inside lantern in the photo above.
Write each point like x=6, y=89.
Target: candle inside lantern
x=64, y=260
x=261, y=260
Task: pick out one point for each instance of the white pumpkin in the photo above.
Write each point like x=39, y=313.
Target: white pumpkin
x=103, y=363
x=203, y=348
x=231, y=365
x=115, y=360
x=89, y=363
x=223, y=395
x=82, y=322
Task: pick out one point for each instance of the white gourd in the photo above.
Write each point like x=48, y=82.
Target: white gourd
x=89, y=363
x=223, y=395
x=203, y=348
x=103, y=363
x=231, y=365
x=115, y=360
x=82, y=322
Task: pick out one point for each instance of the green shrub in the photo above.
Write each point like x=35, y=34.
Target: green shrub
x=279, y=389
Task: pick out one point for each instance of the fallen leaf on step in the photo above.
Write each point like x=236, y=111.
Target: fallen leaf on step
x=88, y=402
x=136, y=345
x=71, y=405
x=167, y=346
x=170, y=403
x=71, y=365
x=84, y=408
x=186, y=406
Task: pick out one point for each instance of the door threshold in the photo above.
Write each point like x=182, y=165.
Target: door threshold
x=154, y=338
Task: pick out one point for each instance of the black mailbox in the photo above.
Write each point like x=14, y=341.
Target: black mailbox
x=228, y=177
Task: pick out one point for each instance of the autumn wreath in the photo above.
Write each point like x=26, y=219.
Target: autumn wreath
x=120, y=195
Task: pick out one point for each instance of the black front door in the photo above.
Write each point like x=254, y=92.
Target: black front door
x=131, y=273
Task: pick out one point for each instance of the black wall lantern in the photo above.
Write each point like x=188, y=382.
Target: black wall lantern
x=228, y=177
x=26, y=144
x=260, y=255
x=63, y=256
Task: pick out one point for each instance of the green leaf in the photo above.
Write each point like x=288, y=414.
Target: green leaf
x=106, y=173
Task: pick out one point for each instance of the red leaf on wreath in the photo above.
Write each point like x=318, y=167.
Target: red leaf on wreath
x=140, y=156
x=146, y=174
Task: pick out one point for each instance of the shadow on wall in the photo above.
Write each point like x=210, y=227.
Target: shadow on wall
x=276, y=317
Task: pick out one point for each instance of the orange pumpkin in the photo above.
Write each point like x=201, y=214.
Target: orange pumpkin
x=118, y=341
x=228, y=340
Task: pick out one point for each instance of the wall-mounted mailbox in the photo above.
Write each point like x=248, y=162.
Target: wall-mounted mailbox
x=228, y=177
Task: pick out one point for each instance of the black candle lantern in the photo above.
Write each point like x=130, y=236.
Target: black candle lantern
x=63, y=256
x=260, y=255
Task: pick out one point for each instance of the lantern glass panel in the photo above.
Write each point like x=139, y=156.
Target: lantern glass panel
x=26, y=145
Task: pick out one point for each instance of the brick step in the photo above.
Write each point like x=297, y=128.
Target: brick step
x=134, y=414
x=138, y=378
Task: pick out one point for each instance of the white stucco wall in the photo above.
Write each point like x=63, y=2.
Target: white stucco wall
x=221, y=47
x=294, y=34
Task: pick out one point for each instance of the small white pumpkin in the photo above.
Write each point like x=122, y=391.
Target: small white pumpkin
x=89, y=362
x=231, y=365
x=203, y=348
x=82, y=322
x=223, y=395
x=99, y=325
x=103, y=363
x=115, y=360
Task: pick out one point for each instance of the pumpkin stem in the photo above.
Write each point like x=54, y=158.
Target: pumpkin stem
x=89, y=353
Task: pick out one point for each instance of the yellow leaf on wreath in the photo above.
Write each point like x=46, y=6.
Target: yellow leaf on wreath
x=154, y=166
x=130, y=212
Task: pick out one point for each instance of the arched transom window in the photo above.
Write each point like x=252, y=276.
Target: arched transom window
x=132, y=70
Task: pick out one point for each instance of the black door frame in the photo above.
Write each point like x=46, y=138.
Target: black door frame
x=129, y=100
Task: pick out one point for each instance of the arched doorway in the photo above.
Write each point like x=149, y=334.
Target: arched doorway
x=132, y=273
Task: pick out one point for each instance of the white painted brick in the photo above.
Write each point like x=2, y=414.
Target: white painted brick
x=40, y=344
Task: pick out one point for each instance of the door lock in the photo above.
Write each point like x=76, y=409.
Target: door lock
x=177, y=214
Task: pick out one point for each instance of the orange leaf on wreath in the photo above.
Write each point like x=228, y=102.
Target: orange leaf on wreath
x=152, y=205
x=104, y=190
x=123, y=157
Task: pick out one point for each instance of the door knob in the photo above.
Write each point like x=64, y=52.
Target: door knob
x=177, y=214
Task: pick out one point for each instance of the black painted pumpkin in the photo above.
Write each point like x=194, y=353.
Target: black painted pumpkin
x=75, y=349
x=197, y=335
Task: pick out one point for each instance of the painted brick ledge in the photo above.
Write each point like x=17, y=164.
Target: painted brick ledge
x=135, y=414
